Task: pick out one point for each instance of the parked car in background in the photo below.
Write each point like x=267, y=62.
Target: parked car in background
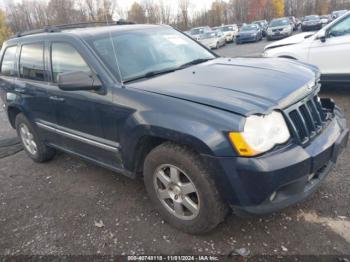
x=213, y=40
x=230, y=32
x=263, y=25
x=311, y=23
x=328, y=49
x=294, y=22
x=279, y=28
x=198, y=31
x=249, y=33
x=338, y=13
x=326, y=19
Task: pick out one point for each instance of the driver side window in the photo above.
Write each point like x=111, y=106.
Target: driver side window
x=65, y=58
x=341, y=29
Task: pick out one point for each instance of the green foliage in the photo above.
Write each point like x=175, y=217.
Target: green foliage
x=5, y=31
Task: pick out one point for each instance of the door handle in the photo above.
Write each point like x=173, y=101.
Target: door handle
x=56, y=98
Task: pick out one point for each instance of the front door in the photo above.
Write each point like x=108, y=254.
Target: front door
x=333, y=55
x=81, y=115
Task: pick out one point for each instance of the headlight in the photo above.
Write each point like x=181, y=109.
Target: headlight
x=261, y=133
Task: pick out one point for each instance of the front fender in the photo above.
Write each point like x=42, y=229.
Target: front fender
x=203, y=138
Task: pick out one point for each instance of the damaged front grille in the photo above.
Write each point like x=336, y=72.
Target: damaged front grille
x=306, y=119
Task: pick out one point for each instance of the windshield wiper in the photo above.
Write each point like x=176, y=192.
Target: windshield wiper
x=194, y=62
x=168, y=70
x=151, y=74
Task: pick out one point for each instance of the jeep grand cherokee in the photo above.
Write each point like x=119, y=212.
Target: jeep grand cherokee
x=205, y=132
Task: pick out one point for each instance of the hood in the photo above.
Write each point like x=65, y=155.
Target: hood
x=295, y=39
x=244, y=85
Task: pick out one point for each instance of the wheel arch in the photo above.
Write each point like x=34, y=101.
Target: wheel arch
x=12, y=112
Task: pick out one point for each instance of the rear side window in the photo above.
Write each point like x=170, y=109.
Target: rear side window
x=65, y=58
x=8, y=65
x=31, y=65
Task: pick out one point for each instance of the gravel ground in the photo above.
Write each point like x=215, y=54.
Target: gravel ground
x=71, y=207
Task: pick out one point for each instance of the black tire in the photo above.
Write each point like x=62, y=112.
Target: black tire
x=212, y=209
x=43, y=152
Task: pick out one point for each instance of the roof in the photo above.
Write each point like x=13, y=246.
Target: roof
x=84, y=32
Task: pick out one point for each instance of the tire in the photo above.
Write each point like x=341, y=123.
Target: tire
x=217, y=45
x=191, y=170
x=40, y=152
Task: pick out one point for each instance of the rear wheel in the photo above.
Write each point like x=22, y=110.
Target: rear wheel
x=182, y=190
x=33, y=146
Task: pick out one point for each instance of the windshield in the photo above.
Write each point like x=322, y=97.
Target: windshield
x=227, y=28
x=197, y=31
x=142, y=51
x=209, y=35
x=249, y=28
x=279, y=22
x=311, y=18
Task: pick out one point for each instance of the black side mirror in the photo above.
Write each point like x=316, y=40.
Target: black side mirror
x=78, y=81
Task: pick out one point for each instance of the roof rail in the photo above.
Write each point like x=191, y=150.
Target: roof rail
x=59, y=28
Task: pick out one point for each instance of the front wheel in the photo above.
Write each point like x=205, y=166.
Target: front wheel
x=31, y=142
x=181, y=188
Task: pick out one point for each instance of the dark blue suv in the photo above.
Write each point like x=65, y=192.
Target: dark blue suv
x=206, y=133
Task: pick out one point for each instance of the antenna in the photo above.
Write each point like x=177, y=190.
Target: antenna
x=114, y=51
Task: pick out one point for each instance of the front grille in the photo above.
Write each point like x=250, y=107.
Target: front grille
x=306, y=119
x=277, y=30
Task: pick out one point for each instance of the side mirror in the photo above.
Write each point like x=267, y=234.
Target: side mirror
x=322, y=36
x=78, y=81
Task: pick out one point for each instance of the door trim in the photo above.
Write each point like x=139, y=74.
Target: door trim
x=80, y=136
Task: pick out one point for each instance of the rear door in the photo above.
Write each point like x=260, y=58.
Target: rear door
x=8, y=71
x=32, y=85
x=333, y=55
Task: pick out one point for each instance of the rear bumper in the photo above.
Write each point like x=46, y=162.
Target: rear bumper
x=274, y=181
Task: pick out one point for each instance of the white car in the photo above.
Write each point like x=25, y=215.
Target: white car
x=196, y=32
x=328, y=49
x=213, y=40
x=229, y=31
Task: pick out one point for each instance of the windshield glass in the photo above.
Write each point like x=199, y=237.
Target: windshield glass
x=197, y=31
x=227, y=28
x=142, y=51
x=279, y=22
x=209, y=35
x=249, y=28
x=311, y=18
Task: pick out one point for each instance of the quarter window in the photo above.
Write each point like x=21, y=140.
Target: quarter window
x=31, y=65
x=8, y=65
x=65, y=58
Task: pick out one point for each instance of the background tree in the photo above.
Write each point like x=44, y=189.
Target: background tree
x=277, y=7
x=5, y=31
x=137, y=13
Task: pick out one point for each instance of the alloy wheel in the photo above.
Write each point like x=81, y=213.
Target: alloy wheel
x=28, y=139
x=177, y=192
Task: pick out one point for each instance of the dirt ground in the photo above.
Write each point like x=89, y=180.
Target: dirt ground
x=71, y=207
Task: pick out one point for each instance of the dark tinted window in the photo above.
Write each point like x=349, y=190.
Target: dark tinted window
x=66, y=58
x=31, y=65
x=8, y=65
